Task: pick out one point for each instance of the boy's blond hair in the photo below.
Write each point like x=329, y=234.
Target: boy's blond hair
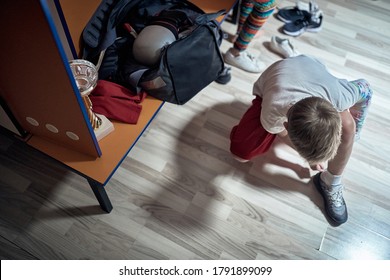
x=314, y=127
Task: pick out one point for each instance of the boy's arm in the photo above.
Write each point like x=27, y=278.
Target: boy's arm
x=286, y=139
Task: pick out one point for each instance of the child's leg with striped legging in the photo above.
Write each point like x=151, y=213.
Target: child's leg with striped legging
x=360, y=109
x=246, y=8
x=253, y=15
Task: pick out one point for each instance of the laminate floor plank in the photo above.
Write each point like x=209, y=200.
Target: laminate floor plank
x=9, y=251
x=355, y=242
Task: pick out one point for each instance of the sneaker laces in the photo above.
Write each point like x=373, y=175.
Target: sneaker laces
x=305, y=22
x=336, y=196
x=250, y=56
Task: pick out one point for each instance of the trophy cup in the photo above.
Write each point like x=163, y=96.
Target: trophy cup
x=85, y=74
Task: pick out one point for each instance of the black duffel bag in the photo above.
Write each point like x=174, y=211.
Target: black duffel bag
x=186, y=66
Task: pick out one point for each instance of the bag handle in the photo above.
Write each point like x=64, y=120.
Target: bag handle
x=202, y=19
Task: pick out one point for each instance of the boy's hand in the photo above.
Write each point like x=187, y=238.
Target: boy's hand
x=318, y=166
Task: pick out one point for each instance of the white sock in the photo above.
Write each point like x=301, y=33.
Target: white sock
x=329, y=179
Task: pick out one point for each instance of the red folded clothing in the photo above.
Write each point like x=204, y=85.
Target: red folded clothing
x=116, y=102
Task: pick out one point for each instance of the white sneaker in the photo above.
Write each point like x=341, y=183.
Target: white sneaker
x=283, y=47
x=244, y=61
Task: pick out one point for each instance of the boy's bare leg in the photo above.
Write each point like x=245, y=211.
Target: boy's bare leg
x=328, y=182
x=337, y=165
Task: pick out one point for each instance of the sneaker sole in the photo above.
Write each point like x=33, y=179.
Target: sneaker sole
x=317, y=184
x=299, y=32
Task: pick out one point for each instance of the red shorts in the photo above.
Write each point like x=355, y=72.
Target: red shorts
x=249, y=139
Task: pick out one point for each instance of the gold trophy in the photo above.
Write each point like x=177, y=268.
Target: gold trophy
x=85, y=74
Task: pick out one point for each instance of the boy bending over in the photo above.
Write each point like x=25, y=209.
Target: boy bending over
x=316, y=113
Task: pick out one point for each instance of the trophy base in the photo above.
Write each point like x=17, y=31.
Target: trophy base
x=104, y=129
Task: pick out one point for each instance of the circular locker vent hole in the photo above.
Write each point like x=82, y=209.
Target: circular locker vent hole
x=51, y=128
x=32, y=121
x=72, y=135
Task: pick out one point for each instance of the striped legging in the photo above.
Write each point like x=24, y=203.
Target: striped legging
x=360, y=109
x=253, y=14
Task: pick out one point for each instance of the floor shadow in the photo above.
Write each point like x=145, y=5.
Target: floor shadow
x=66, y=212
x=30, y=185
x=213, y=160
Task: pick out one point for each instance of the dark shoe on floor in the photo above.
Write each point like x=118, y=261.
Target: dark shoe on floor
x=309, y=23
x=333, y=199
x=291, y=14
x=225, y=76
x=299, y=11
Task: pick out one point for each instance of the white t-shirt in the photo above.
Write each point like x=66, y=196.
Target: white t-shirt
x=289, y=80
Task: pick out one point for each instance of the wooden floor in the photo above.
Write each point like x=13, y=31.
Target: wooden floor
x=179, y=194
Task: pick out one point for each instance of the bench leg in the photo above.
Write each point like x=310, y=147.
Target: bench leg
x=235, y=13
x=101, y=195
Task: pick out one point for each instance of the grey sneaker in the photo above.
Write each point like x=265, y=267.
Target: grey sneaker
x=333, y=199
